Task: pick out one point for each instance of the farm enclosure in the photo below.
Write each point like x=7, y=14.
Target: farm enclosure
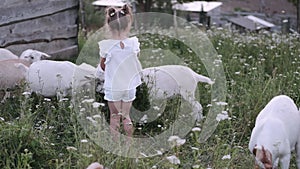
x=50, y=26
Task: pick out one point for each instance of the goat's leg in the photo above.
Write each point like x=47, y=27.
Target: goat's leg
x=6, y=95
x=298, y=153
x=196, y=109
x=285, y=161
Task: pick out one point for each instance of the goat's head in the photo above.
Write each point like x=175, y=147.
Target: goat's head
x=33, y=55
x=263, y=158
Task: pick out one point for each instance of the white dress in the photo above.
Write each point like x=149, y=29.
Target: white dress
x=122, y=67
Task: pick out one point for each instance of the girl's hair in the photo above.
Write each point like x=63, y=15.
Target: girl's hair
x=119, y=19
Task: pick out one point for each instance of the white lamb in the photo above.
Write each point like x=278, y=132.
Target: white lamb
x=169, y=80
x=276, y=134
x=55, y=78
x=33, y=55
x=29, y=54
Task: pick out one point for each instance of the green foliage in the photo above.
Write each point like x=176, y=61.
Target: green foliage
x=46, y=133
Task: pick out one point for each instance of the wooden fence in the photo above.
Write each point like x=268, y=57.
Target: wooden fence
x=50, y=26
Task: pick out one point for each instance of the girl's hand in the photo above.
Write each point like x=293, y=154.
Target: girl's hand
x=102, y=65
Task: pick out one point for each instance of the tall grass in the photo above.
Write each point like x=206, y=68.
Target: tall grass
x=37, y=132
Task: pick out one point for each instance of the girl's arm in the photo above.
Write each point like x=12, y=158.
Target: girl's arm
x=102, y=65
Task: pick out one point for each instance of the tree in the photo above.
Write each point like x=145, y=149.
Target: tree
x=297, y=4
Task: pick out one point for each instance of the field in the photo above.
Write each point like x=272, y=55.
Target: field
x=39, y=132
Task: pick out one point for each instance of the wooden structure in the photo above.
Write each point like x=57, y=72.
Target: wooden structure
x=50, y=26
x=250, y=23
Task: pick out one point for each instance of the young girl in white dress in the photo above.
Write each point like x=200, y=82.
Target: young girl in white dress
x=118, y=60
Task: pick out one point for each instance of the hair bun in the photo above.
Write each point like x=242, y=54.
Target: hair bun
x=126, y=9
x=111, y=12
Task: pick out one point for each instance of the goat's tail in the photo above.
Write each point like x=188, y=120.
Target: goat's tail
x=201, y=78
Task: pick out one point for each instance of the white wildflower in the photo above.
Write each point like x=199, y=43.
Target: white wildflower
x=91, y=120
x=63, y=99
x=196, y=129
x=26, y=93
x=84, y=140
x=156, y=108
x=87, y=101
x=2, y=119
x=71, y=148
x=96, y=104
x=222, y=116
x=47, y=99
x=195, y=148
x=96, y=116
x=159, y=152
x=176, y=141
x=173, y=159
x=196, y=166
x=226, y=157
x=221, y=103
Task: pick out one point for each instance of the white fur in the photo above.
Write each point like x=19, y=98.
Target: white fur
x=33, y=55
x=10, y=75
x=166, y=81
x=57, y=78
x=29, y=54
x=6, y=54
x=277, y=129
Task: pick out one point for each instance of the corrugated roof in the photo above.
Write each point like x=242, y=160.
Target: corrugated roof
x=196, y=6
x=116, y=3
x=251, y=23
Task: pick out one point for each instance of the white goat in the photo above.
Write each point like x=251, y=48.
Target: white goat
x=54, y=78
x=169, y=80
x=10, y=75
x=276, y=134
x=6, y=54
x=29, y=54
x=33, y=55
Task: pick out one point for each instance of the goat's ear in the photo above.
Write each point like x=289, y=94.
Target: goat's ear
x=43, y=55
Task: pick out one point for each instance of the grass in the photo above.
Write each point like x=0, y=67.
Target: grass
x=45, y=133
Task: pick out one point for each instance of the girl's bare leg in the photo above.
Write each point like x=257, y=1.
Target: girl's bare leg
x=114, y=108
x=127, y=123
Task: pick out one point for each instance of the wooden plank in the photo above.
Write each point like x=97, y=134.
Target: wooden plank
x=62, y=25
x=32, y=9
x=61, y=49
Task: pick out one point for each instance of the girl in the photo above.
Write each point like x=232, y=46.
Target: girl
x=118, y=60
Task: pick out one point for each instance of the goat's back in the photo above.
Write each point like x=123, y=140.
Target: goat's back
x=282, y=109
x=10, y=75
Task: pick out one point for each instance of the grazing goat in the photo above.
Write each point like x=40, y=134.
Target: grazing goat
x=276, y=134
x=10, y=75
x=57, y=78
x=169, y=80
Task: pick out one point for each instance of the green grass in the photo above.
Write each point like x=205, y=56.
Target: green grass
x=41, y=133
